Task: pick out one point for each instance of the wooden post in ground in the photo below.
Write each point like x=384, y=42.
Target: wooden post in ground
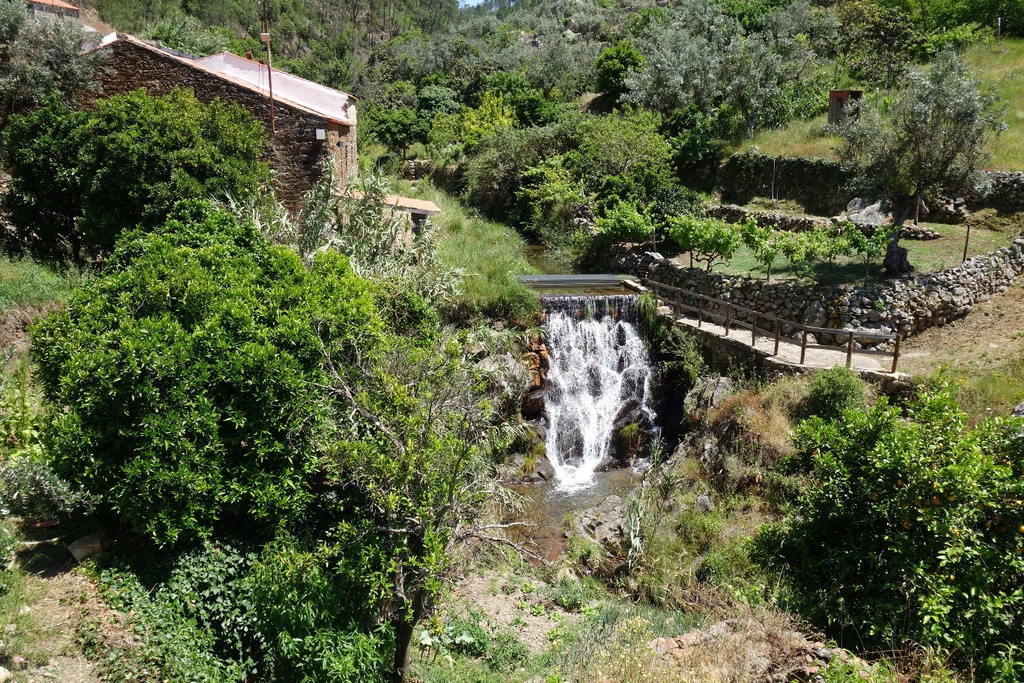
x=728, y=318
x=679, y=303
x=700, y=311
x=778, y=334
x=849, y=350
x=753, y=332
x=803, y=347
x=896, y=353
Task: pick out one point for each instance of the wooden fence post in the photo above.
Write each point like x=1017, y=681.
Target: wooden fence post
x=803, y=347
x=778, y=334
x=849, y=351
x=896, y=353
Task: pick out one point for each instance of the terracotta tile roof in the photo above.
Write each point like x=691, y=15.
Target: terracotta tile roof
x=54, y=3
x=398, y=202
x=335, y=114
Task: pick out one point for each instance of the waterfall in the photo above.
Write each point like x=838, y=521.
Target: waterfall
x=599, y=379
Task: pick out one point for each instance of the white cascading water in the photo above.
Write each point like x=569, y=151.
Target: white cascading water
x=599, y=371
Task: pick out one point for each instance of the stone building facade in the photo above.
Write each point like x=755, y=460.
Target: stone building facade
x=314, y=126
x=39, y=9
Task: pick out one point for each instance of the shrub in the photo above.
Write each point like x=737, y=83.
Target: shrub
x=79, y=179
x=182, y=382
x=911, y=530
x=832, y=393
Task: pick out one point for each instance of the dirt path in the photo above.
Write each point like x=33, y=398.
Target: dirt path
x=62, y=605
x=990, y=337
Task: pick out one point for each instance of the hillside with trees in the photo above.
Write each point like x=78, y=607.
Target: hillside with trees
x=299, y=446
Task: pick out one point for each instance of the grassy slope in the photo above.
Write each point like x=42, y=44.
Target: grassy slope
x=490, y=255
x=1001, y=65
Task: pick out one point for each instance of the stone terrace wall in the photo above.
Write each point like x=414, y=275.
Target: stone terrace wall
x=1006, y=195
x=904, y=307
x=295, y=153
x=818, y=184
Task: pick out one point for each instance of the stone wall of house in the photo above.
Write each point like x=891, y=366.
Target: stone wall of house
x=294, y=153
x=904, y=307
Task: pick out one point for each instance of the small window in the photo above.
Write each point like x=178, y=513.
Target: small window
x=321, y=134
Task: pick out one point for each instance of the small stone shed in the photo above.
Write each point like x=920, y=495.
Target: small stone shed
x=313, y=125
x=39, y=9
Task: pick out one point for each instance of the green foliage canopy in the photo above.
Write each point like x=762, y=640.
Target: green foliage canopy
x=912, y=530
x=189, y=368
x=80, y=179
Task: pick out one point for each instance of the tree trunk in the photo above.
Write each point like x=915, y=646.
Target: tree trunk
x=403, y=649
x=896, y=262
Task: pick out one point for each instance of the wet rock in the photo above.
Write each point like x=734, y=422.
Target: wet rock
x=533, y=404
x=604, y=523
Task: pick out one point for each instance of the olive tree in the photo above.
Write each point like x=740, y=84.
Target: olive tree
x=37, y=59
x=935, y=138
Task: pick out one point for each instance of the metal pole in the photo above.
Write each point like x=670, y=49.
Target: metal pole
x=849, y=350
x=753, y=332
x=803, y=348
x=265, y=37
x=896, y=353
x=728, y=318
x=778, y=335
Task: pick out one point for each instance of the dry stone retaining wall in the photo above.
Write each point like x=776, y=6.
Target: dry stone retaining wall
x=905, y=307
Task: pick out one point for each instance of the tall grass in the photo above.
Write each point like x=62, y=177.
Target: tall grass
x=26, y=283
x=490, y=256
x=1001, y=66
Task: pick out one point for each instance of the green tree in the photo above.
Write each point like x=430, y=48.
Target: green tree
x=124, y=165
x=936, y=138
x=614, y=64
x=410, y=457
x=761, y=240
x=184, y=381
x=397, y=129
x=707, y=239
x=38, y=59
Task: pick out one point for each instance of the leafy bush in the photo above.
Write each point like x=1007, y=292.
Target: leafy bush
x=569, y=594
x=79, y=179
x=199, y=612
x=182, y=381
x=30, y=488
x=912, y=529
x=832, y=392
x=625, y=223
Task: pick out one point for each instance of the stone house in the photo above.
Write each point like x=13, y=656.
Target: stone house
x=40, y=9
x=313, y=125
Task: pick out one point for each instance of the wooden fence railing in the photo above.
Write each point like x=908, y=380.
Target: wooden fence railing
x=710, y=309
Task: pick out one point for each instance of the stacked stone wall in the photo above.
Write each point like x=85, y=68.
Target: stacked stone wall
x=294, y=152
x=905, y=307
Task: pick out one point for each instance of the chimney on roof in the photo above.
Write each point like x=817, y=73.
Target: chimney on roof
x=248, y=55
